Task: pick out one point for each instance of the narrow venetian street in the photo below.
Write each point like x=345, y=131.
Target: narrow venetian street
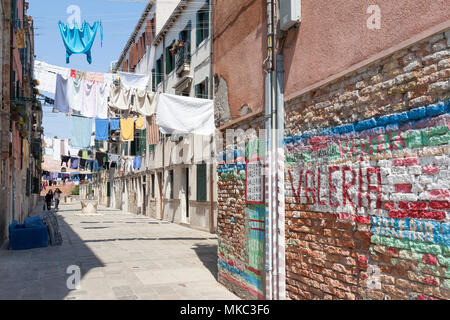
x=121, y=256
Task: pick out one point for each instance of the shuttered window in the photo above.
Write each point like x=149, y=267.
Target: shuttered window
x=171, y=184
x=201, y=183
x=170, y=59
x=202, y=24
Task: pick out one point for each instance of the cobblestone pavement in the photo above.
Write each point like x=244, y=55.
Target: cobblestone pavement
x=121, y=256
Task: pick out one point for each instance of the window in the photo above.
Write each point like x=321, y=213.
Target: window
x=201, y=183
x=170, y=59
x=153, y=186
x=153, y=80
x=158, y=71
x=139, y=144
x=171, y=184
x=203, y=23
x=201, y=89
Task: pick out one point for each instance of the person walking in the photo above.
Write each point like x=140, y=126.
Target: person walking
x=48, y=199
x=57, y=197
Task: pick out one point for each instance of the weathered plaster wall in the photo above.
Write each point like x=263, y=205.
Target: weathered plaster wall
x=367, y=181
x=238, y=52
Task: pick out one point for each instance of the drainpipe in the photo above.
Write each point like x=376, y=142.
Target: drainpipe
x=274, y=116
x=211, y=94
x=268, y=115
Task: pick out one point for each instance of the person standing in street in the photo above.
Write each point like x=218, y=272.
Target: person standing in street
x=48, y=199
x=57, y=197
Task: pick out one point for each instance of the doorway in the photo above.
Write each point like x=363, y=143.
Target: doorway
x=187, y=192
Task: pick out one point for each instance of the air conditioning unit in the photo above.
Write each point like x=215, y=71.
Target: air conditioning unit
x=290, y=13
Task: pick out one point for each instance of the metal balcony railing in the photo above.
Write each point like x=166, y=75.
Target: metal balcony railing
x=183, y=57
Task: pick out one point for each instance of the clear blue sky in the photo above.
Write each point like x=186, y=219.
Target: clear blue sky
x=118, y=17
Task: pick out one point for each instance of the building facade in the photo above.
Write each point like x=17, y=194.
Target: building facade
x=365, y=144
x=21, y=117
x=176, y=182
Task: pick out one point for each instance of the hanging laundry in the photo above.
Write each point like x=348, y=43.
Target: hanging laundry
x=115, y=124
x=75, y=93
x=102, y=95
x=82, y=163
x=88, y=107
x=95, y=76
x=134, y=81
x=46, y=74
x=101, y=129
x=95, y=166
x=74, y=163
x=144, y=103
x=137, y=163
x=65, y=159
x=56, y=149
x=84, y=154
x=81, y=132
x=127, y=129
x=102, y=159
x=113, y=158
x=178, y=114
x=61, y=95
x=152, y=131
x=80, y=40
x=73, y=151
x=119, y=98
x=140, y=123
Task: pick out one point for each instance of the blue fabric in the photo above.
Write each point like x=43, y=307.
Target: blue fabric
x=80, y=40
x=101, y=129
x=35, y=221
x=115, y=124
x=95, y=167
x=74, y=163
x=137, y=163
x=81, y=132
x=22, y=237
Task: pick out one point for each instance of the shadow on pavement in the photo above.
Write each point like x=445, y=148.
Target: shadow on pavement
x=207, y=253
x=41, y=273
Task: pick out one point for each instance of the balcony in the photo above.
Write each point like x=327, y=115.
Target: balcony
x=183, y=59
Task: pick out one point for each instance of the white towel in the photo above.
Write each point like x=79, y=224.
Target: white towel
x=134, y=81
x=144, y=103
x=178, y=115
x=119, y=98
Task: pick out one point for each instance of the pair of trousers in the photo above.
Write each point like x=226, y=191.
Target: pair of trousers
x=56, y=203
x=49, y=205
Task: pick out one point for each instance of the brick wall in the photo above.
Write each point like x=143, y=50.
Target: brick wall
x=367, y=181
x=240, y=225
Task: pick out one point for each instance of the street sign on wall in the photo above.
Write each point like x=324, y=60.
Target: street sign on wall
x=254, y=190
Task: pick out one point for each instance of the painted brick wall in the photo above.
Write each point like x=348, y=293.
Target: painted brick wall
x=368, y=181
x=240, y=225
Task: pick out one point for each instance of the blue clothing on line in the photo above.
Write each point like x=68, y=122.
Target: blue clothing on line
x=74, y=163
x=101, y=129
x=81, y=132
x=80, y=40
x=115, y=124
x=137, y=163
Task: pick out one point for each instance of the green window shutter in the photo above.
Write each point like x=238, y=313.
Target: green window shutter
x=153, y=80
x=207, y=88
x=201, y=182
x=108, y=189
x=167, y=60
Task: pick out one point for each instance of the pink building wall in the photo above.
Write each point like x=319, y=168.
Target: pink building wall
x=333, y=35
